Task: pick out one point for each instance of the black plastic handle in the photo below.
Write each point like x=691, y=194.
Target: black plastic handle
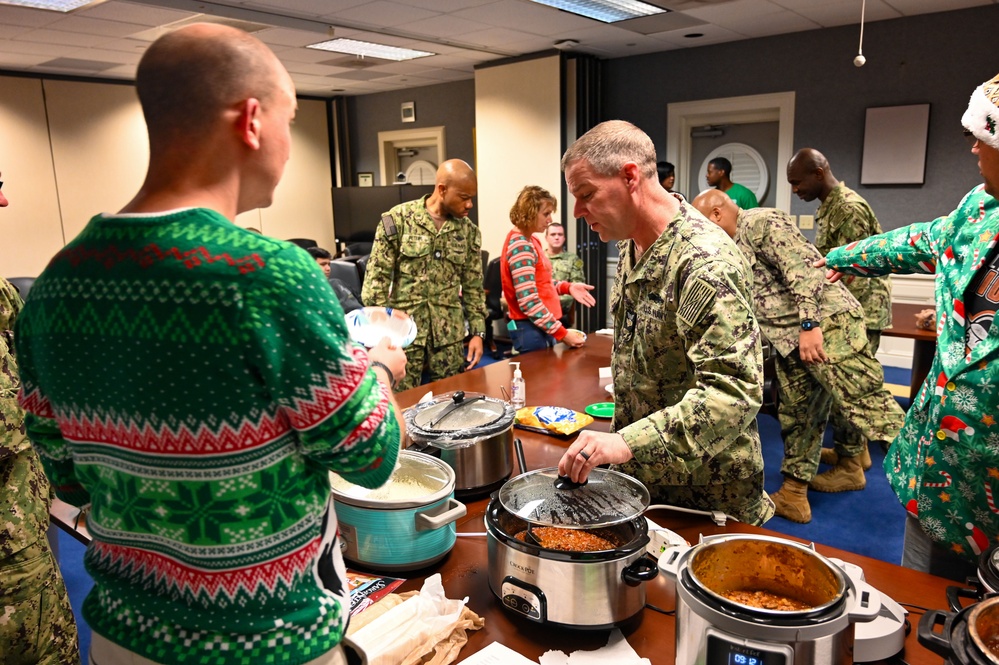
x=567, y=483
x=640, y=571
x=956, y=593
x=929, y=638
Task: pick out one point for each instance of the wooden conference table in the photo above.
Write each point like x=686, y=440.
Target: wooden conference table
x=924, y=342
x=569, y=378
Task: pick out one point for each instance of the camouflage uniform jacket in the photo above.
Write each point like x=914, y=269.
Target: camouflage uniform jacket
x=24, y=490
x=568, y=267
x=786, y=288
x=687, y=363
x=841, y=219
x=944, y=464
x=434, y=276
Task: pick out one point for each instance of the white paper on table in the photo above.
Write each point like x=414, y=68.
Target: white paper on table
x=604, y=372
x=617, y=651
x=605, y=331
x=392, y=636
x=497, y=654
x=429, y=397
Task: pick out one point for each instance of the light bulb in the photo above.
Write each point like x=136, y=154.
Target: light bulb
x=859, y=60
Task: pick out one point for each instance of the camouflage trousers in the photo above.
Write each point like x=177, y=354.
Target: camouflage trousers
x=847, y=441
x=36, y=624
x=742, y=499
x=439, y=363
x=851, y=381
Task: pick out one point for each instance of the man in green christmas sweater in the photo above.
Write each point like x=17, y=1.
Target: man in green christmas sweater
x=194, y=383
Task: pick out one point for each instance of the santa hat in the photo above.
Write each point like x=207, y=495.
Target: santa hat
x=952, y=426
x=941, y=384
x=977, y=539
x=982, y=116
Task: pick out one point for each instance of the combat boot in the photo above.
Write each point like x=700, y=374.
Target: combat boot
x=829, y=456
x=791, y=501
x=846, y=476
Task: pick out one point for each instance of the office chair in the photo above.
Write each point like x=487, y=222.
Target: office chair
x=22, y=284
x=346, y=272
x=493, y=286
x=362, y=265
x=304, y=243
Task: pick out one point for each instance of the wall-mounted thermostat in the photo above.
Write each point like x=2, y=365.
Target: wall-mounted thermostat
x=409, y=111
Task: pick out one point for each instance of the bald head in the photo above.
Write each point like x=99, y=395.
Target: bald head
x=719, y=208
x=809, y=175
x=454, y=188
x=188, y=77
x=454, y=171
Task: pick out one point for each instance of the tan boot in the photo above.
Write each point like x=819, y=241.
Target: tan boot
x=829, y=456
x=791, y=501
x=846, y=476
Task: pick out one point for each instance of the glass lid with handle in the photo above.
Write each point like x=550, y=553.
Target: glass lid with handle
x=544, y=498
x=459, y=412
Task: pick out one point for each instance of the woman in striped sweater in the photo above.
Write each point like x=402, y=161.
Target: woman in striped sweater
x=528, y=287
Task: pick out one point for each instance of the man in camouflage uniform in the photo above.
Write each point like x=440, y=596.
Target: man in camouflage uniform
x=425, y=261
x=687, y=363
x=843, y=217
x=36, y=620
x=823, y=359
x=566, y=266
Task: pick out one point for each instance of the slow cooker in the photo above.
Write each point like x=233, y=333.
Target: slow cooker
x=405, y=524
x=984, y=585
x=472, y=433
x=594, y=589
x=721, y=622
x=968, y=637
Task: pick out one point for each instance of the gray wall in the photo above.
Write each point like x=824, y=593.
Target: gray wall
x=449, y=104
x=936, y=58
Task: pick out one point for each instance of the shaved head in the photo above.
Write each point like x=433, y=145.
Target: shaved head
x=809, y=175
x=808, y=159
x=454, y=171
x=719, y=208
x=189, y=76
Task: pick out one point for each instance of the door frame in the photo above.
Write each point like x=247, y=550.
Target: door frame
x=682, y=117
x=388, y=142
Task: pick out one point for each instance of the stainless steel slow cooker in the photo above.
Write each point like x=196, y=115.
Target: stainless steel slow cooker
x=968, y=637
x=405, y=524
x=718, y=623
x=472, y=433
x=576, y=589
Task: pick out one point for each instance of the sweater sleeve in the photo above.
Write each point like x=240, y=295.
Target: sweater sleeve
x=322, y=381
x=910, y=249
x=523, y=260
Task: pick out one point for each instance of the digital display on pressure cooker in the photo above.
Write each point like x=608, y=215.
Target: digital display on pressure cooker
x=723, y=652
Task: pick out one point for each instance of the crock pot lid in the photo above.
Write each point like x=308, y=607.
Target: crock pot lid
x=608, y=497
x=447, y=415
x=417, y=475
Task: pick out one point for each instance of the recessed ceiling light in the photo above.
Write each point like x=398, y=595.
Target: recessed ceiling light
x=369, y=49
x=608, y=11
x=52, y=5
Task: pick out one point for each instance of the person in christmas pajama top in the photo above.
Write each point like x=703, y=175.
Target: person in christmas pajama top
x=194, y=382
x=944, y=464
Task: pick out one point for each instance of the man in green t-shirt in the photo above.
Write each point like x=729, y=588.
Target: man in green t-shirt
x=719, y=176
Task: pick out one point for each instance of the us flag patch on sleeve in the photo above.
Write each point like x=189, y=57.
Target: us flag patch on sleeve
x=698, y=298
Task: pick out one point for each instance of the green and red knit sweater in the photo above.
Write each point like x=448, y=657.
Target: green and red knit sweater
x=195, y=383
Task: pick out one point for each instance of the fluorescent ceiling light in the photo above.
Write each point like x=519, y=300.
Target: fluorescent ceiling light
x=369, y=49
x=51, y=5
x=608, y=11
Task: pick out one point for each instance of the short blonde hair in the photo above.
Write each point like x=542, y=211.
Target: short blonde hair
x=524, y=213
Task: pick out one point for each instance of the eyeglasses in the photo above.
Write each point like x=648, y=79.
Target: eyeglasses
x=1, y=184
x=970, y=138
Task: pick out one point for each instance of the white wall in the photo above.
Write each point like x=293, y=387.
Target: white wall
x=73, y=149
x=518, y=125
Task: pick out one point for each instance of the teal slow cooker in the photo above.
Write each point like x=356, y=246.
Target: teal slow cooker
x=405, y=524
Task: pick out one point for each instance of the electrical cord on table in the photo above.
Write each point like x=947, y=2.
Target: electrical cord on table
x=668, y=613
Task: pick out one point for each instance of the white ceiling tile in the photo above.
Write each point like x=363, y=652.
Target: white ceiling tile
x=45, y=36
x=34, y=18
x=124, y=72
x=447, y=26
x=140, y=14
x=382, y=13
x=95, y=26
x=36, y=48
x=527, y=16
x=9, y=31
x=286, y=37
x=307, y=8
x=10, y=60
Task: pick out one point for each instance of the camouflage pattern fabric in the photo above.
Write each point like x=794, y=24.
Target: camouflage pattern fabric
x=851, y=381
x=787, y=290
x=845, y=217
x=567, y=267
x=847, y=440
x=435, y=277
x=944, y=464
x=36, y=620
x=688, y=368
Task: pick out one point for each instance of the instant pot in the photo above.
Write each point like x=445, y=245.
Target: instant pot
x=714, y=629
x=405, y=524
x=471, y=432
x=576, y=589
x=968, y=637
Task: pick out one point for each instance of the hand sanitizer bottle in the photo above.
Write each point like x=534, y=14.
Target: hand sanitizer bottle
x=517, y=387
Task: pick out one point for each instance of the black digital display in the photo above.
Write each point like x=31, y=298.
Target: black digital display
x=723, y=652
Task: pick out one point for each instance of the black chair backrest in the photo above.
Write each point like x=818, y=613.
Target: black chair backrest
x=304, y=243
x=22, y=284
x=359, y=248
x=493, y=284
x=362, y=265
x=346, y=272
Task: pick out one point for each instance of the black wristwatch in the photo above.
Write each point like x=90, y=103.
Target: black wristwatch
x=481, y=335
x=808, y=324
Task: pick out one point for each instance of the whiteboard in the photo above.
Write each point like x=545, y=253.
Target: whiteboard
x=895, y=145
